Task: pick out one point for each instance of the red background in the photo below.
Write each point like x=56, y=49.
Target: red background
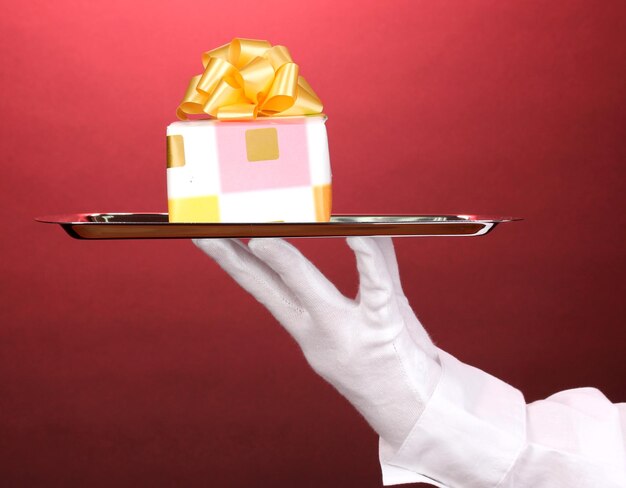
x=141, y=363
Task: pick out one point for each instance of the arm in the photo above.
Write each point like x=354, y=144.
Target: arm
x=439, y=421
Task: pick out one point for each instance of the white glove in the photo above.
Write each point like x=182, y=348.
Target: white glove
x=372, y=349
x=476, y=430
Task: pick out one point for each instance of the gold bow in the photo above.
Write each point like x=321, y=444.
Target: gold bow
x=248, y=78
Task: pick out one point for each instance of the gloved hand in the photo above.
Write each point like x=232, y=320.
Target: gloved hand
x=372, y=349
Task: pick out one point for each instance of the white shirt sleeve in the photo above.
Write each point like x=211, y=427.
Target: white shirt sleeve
x=477, y=432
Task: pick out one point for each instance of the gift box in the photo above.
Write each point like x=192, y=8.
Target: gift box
x=257, y=171
x=255, y=149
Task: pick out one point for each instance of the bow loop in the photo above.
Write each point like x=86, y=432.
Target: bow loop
x=258, y=76
x=284, y=90
x=245, y=79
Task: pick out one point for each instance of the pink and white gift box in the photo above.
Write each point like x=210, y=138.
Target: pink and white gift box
x=274, y=169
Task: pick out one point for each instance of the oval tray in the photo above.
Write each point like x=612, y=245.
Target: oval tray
x=156, y=226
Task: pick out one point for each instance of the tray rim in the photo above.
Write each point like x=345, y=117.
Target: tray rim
x=80, y=226
x=70, y=219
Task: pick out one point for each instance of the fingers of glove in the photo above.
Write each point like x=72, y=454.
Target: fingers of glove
x=314, y=291
x=389, y=253
x=376, y=290
x=255, y=277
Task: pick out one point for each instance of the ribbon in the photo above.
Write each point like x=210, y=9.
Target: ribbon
x=246, y=79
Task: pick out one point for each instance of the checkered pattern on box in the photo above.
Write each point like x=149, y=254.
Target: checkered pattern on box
x=225, y=178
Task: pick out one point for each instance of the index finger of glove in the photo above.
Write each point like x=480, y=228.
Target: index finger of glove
x=313, y=290
x=255, y=277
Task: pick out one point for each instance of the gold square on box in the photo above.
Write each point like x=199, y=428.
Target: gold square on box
x=262, y=144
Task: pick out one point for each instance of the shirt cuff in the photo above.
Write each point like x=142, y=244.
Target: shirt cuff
x=470, y=433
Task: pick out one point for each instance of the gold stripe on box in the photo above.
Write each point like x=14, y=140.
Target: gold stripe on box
x=175, y=151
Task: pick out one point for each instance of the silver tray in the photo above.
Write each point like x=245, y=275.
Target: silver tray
x=156, y=226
